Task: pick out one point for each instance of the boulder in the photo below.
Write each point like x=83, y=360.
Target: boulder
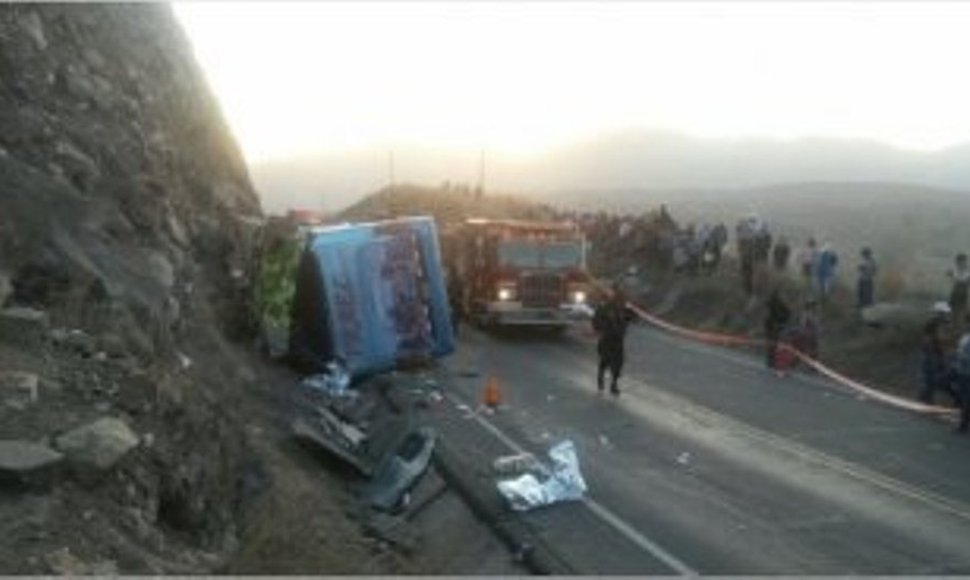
x=6, y=288
x=160, y=270
x=23, y=326
x=65, y=563
x=112, y=345
x=76, y=340
x=99, y=445
x=31, y=24
x=26, y=463
x=19, y=386
x=895, y=314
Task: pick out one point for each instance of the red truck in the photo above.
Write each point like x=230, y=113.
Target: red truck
x=516, y=272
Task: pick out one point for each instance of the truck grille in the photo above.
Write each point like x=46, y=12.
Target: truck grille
x=541, y=290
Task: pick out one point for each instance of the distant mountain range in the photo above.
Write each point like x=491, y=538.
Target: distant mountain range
x=611, y=165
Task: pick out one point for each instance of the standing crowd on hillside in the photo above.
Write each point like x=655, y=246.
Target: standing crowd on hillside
x=623, y=243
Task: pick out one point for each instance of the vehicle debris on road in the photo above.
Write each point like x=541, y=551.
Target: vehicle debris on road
x=564, y=482
x=515, y=464
x=335, y=381
x=401, y=470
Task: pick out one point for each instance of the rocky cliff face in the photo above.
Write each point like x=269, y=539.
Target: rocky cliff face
x=119, y=177
x=127, y=221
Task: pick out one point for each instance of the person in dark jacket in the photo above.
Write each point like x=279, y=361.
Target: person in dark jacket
x=777, y=318
x=610, y=322
x=716, y=242
x=456, y=299
x=962, y=371
x=865, y=295
x=807, y=329
x=961, y=282
x=780, y=254
x=937, y=375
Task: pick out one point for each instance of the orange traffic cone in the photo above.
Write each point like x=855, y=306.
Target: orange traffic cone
x=492, y=395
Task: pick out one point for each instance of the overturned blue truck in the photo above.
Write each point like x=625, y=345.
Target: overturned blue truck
x=371, y=297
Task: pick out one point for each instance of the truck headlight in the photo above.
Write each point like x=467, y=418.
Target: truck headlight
x=506, y=290
x=579, y=297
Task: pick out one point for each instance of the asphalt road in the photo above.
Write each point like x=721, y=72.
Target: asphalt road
x=709, y=463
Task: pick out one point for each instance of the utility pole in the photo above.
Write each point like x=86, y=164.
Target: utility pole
x=390, y=170
x=481, y=175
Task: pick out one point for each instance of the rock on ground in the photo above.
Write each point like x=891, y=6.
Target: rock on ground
x=19, y=387
x=24, y=461
x=893, y=314
x=100, y=444
x=65, y=563
x=6, y=288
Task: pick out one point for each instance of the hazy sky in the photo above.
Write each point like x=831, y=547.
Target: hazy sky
x=525, y=77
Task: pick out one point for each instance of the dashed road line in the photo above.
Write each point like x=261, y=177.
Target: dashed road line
x=598, y=509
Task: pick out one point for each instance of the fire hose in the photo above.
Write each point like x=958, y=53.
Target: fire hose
x=722, y=339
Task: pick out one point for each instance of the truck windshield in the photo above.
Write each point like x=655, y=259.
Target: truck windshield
x=515, y=254
x=562, y=255
x=554, y=255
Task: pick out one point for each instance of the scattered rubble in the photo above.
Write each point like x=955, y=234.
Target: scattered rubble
x=19, y=389
x=100, y=444
x=112, y=345
x=23, y=326
x=65, y=563
x=75, y=340
x=392, y=529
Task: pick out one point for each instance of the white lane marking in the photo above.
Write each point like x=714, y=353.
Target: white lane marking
x=628, y=531
x=802, y=451
x=639, y=539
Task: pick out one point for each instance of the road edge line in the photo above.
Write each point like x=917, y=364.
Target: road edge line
x=611, y=519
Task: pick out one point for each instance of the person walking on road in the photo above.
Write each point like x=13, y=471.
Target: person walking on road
x=867, y=278
x=610, y=322
x=775, y=322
